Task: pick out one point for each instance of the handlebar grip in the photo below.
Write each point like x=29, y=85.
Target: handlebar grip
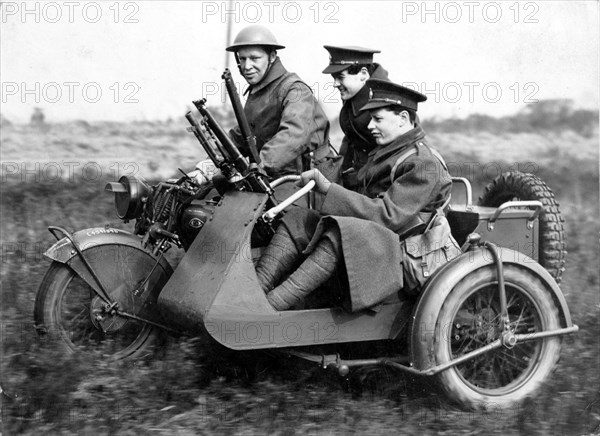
x=270, y=215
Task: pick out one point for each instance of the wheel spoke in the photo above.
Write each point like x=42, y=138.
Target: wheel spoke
x=510, y=303
x=490, y=299
x=503, y=366
x=81, y=315
x=519, y=318
x=510, y=359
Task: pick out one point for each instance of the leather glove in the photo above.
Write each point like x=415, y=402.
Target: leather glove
x=204, y=172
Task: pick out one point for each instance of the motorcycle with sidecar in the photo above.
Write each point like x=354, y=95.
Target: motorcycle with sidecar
x=487, y=325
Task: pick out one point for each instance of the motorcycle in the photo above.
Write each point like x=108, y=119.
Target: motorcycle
x=487, y=325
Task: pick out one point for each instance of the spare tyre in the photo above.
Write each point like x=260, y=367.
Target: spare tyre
x=512, y=186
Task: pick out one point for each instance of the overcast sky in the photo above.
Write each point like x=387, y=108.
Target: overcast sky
x=147, y=60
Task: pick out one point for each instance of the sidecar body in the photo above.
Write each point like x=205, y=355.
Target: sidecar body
x=215, y=289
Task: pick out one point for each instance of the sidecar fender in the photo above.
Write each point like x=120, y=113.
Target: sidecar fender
x=436, y=291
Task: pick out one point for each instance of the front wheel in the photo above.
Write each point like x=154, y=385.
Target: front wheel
x=470, y=318
x=68, y=308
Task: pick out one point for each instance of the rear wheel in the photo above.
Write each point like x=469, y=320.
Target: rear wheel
x=514, y=186
x=68, y=308
x=470, y=319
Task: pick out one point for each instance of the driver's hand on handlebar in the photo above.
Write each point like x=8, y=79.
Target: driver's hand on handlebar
x=322, y=184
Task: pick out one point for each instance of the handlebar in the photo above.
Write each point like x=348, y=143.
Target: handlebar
x=284, y=179
x=270, y=215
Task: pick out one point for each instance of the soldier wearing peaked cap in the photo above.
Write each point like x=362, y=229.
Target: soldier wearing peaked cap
x=351, y=67
x=383, y=93
x=390, y=235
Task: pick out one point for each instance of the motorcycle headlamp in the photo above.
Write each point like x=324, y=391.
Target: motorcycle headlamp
x=129, y=194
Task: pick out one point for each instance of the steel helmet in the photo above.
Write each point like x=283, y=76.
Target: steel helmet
x=254, y=35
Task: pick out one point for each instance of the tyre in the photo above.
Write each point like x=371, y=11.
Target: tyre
x=523, y=186
x=470, y=319
x=69, y=309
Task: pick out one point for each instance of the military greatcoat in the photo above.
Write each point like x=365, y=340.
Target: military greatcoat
x=287, y=121
x=371, y=220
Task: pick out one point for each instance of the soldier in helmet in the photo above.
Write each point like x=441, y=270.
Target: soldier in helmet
x=282, y=111
x=389, y=235
x=350, y=68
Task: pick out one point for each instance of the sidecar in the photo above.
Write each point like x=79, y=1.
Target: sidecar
x=487, y=324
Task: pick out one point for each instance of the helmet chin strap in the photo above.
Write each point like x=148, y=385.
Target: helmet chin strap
x=237, y=61
x=270, y=64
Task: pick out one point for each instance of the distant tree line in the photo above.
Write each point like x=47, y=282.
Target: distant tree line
x=544, y=116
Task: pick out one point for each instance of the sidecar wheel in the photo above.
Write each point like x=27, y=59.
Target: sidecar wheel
x=65, y=303
x=470, y=318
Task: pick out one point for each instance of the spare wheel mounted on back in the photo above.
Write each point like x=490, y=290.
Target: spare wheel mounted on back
x=515, y=185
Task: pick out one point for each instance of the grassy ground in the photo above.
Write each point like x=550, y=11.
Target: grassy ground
x=191, y=386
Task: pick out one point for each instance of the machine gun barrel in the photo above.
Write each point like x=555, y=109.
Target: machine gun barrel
x=229, y=147
x=197, y=130
x=240, y=116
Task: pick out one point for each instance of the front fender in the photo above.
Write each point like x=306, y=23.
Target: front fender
x=436, y=291
x=64, y=252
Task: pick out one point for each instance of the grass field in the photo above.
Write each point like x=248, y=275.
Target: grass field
x=54, y=175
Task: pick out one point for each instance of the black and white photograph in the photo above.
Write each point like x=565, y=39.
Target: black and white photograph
x=300, y=217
